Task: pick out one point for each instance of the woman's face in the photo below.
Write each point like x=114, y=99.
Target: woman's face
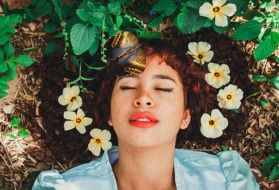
x=148, y=109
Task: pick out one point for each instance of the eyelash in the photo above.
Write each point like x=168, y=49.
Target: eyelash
x=159, y=89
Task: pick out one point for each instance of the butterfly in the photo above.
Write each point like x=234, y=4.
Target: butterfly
x=127, y=54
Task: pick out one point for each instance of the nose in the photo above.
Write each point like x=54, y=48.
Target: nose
x=143, y=99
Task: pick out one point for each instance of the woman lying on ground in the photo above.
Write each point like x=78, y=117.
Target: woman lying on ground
x=147, y=97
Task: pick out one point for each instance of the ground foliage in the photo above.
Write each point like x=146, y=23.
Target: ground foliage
x=47, y=27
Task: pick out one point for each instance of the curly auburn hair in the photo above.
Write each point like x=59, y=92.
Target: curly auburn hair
x=199, y=96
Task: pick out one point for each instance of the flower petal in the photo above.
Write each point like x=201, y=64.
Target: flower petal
x=223, y=123
x=205, y=119
x=218, y=3
x=106, y=145
x=229, y=9
x=106, y=135
x=80, y=113
x=72, y=106
x=67, y=91
x=216, y=114
x=206, y=11
x=75, y=90
x=221, y=20
x=68, y=125
x=62, y=101
x=212, y=67
x=96, y=133
x=87, y=121
x=193, y=47
x=209, y=56
x=203, y=46
x=225, y=68
x=69, y=115
x=95, y=149
x=210, y=132
x=81, y=129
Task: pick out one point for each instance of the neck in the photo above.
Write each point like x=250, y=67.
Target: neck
x=145, y=168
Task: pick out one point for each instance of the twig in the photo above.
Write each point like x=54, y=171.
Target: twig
x=6, y=152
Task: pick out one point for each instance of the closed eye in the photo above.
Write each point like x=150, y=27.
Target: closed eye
x=127, y=88
x=165, y=89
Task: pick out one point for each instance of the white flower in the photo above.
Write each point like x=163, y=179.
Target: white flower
x=200, y=52
x=218, y=75
x=9, y=109
x=212, y=126
x=100, y=140
x=229, y=97
x=77, y=120
x=218, y=11
x=71, y=98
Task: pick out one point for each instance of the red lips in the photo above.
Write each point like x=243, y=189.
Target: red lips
x=143, y=119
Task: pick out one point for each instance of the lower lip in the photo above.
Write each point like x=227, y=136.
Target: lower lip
x=142, y=124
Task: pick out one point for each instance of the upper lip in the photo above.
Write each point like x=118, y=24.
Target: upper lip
x=143, y=115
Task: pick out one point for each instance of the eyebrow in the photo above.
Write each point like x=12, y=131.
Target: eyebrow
x=158, y=76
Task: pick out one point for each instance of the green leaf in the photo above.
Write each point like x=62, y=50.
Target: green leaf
x=156, y=22
x=266, y=104
x=24, y=60
x=277, y=59
x=3, y=93
x=15, y=121
x=1, y=55
x=9, y=49
x=277, y=146
x=236, y=110
x=98, y=16
x=196, y=4
x=50, y=48
x=275, y=37
x=225, y=148
x=119, y=21
x=274, y=81
x=265, y=48
x=241, y=5
x=94, y=47
x=58, y=7
x=149, y=35
x=189, y=21
x=259, y=78
x=274, y=173
x=269, y=163
x=82, y=37
x=4, y=87
x=10, y=135
x=50, y=27
x=4, y=38
x=42, y=8
x=23, y=133
x=114, y=8
x=3, y=66
x=247, y=30
x=83, y=15
x=165, y=7
x=220, y=30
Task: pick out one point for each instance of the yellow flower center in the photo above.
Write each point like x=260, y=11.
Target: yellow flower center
x=98, y=141
x=200, y=56
x=216, y=9
x=73, y=99
x=211, y=122
x=229, y=97
x=216, y=74
x=78, y=120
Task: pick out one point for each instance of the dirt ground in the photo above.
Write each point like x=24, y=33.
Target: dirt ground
x=35, y=92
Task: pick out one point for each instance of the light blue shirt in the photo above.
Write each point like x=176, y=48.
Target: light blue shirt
x=193, y=171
